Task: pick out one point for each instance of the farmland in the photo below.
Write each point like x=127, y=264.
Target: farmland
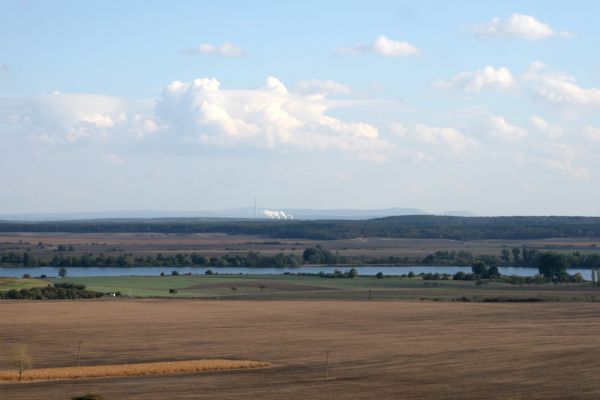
x=41, y=244
x=408, y=350
x=288, y=287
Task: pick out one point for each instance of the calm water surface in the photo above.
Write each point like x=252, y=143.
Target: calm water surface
x=362, y=270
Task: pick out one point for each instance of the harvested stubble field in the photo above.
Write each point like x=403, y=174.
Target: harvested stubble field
x=152, y=368
x=379, y=350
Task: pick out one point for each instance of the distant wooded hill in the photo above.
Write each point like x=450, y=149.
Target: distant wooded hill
x=411, y=226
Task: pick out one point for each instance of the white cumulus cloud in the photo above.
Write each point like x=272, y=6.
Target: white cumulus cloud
x=444, y=137
x=269, y=117
x=383, y=46
x=501, y=128
x=476, y=81
x=73, y=117
x=557, y=87
x=226, y=49
x=518, y=25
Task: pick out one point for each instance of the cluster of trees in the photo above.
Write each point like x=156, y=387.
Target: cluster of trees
x=531, y=257
x=18, y=259
x=351, y=273
x=553, y=266
x=518, y=256
x=58, y=291
x=391, y=260
x=410, y=226
x=319, y=255
x=252, y=260
x=449, y=257
x=435, y=277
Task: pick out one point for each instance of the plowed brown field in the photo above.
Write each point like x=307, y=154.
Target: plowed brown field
x=378, y=350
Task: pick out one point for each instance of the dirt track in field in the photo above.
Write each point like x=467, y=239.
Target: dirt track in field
x=379, y=350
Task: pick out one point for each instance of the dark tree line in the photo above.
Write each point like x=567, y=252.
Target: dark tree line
x=58, y=291
x=411, y=226
x=252, y=260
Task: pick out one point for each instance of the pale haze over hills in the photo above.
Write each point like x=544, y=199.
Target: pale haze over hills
x=236, y=213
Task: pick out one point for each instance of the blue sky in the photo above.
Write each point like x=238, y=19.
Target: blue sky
x=484, y=106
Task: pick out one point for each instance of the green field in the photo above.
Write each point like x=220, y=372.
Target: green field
x=27, y=283
x=272, y=287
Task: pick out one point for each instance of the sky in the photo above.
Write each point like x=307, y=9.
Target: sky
x=486, y=106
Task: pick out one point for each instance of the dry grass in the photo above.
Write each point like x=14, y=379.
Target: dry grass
x=155, y=368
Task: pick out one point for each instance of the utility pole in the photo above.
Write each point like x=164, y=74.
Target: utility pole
x=79, y=353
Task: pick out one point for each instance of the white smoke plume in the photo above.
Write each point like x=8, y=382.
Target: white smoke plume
x=276, y=214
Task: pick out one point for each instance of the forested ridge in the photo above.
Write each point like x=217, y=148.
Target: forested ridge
x=415, y=226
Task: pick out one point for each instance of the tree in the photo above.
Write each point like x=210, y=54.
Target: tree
x=62, y=272
x=553, y=266
x=492, y=273
x=352, y=273
x=516, y=252
x=459, y=276
x=379, y=275
x=505, y=256
x=313, y=255
x=20, y=359
x=172, y=292
x=479, y=268
x=528, y=255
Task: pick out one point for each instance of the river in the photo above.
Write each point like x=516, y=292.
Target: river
x=362, y=270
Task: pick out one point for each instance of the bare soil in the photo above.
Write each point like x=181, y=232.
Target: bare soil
x=378, y=350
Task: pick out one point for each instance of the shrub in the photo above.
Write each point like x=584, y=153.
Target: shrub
x=89, y=396
x=459, y=276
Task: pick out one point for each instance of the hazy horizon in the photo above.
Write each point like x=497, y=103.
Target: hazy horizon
x=263, y=213
x=487, y=107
